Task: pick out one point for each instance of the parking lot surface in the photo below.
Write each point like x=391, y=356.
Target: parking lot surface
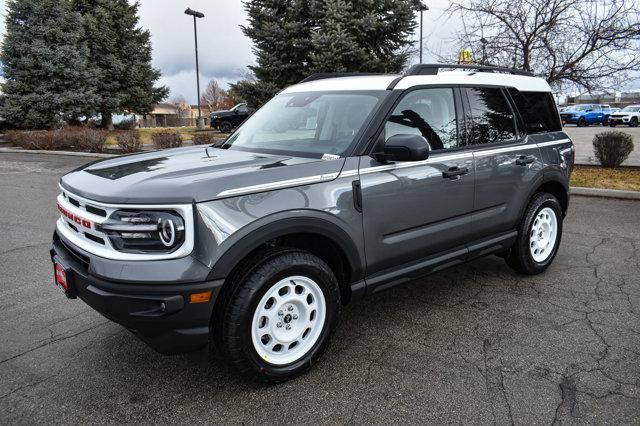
x=582, y=137
x=473, y=344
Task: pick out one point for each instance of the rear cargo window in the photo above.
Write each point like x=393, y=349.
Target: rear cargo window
x=538, y=111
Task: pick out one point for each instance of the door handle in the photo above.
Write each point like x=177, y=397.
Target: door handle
x=454, y=172
x=523, y=160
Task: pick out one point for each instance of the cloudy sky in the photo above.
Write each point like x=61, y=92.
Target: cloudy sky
x=224, y=51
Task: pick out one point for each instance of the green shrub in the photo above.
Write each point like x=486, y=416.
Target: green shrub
x=611, y=148
x=129, y=141
x=166, y=139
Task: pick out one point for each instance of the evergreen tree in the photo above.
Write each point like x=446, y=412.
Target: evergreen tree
x=295, y=38
x=44, y=60
x=120, y=54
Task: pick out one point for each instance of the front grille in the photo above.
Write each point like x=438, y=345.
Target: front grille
x=94, y=238
x=95, y=210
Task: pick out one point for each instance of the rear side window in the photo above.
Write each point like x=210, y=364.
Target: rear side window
x=492, y=119
x=538, y=111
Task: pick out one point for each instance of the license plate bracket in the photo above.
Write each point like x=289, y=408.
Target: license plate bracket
x=63, y=278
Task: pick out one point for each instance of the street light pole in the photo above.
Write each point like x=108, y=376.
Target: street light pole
x=195, y=15
x=423, y=7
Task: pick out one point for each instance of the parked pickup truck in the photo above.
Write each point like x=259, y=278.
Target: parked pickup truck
x=584, y=115
x=338, y=188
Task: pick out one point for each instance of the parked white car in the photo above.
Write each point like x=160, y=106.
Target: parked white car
x=629, y=115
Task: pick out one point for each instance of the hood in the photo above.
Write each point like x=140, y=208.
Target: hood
x=222, y=111
x=191, y=174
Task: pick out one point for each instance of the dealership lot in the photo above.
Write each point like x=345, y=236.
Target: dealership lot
x=583, y=137
x=474, y=344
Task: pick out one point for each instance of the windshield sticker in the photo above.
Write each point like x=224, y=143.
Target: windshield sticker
x=329, y=157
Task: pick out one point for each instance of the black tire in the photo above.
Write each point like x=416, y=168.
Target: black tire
x=582, y=122
x=225, y=127
x=520, y=257
x=612, y=124
x=233, y=325
x=633, y=122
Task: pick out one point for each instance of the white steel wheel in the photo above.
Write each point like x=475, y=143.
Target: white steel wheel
x=288, y=320
x=543, y=234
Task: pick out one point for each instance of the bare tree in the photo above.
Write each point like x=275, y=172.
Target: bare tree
x=182, y=106
x=215, y=97
x=590, y=44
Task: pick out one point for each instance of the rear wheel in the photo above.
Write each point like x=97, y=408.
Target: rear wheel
x=539, y=235
x=280, y=316
x=582, y=122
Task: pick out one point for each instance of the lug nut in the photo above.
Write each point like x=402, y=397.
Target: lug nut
x=279, y=325
x=288, y=327
x=280, y=313
x=295, y=316
x=290, y=308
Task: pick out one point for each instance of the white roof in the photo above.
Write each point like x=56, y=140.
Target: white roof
x=381, y=82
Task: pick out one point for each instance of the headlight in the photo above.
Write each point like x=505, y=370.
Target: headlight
x=144, y=231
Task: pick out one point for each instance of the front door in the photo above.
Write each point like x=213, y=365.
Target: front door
x=414, y=210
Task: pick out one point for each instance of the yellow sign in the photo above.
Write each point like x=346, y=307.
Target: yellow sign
x=464, y=56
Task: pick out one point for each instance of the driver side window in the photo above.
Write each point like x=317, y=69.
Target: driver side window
x=427, y=112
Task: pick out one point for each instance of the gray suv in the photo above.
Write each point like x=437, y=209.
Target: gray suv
x=339, y=187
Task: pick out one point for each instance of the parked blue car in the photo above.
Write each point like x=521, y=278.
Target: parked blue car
x=586, y=114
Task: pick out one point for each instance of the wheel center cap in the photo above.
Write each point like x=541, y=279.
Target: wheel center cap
x=287, y=318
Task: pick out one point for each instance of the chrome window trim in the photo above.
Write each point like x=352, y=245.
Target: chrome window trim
x=107, y=251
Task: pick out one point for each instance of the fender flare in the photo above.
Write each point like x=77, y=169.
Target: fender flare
x=270, y=227
x=546, y=176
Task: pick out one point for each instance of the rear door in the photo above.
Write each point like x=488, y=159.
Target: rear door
x=506, y=161
x=413, y=210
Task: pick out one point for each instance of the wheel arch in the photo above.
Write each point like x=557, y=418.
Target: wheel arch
x=555, y=183
x=321, y=236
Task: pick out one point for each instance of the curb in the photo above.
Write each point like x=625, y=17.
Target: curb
x=605, y=193
x=67, y=153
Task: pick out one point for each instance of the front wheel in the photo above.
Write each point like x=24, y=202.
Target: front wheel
x=280, y=316
x=633, y=122
x=582, y=122
x=225, y=127
x=539, y=235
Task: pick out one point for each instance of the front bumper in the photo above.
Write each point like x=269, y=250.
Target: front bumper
x=569, y=120
x=158, y=313
x=619, y=120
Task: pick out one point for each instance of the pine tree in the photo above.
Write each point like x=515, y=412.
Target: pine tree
x=44, y=60
x=120, y=53
x=295, y=38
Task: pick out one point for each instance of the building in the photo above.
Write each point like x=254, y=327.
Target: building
x=173, y=115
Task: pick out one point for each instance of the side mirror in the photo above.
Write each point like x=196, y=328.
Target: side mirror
x=404, y=148
x=235, y=111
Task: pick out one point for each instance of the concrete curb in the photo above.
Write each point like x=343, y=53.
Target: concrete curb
x=605, y=193
x=67, y=153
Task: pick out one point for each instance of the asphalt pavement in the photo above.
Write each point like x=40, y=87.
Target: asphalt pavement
x=473, y=344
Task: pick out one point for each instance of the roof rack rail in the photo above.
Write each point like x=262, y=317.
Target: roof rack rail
x=324, y=75
x=432, y=69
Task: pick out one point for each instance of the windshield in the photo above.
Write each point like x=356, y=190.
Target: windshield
x=631, y=109
x=308, y=124
x=579, y=108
